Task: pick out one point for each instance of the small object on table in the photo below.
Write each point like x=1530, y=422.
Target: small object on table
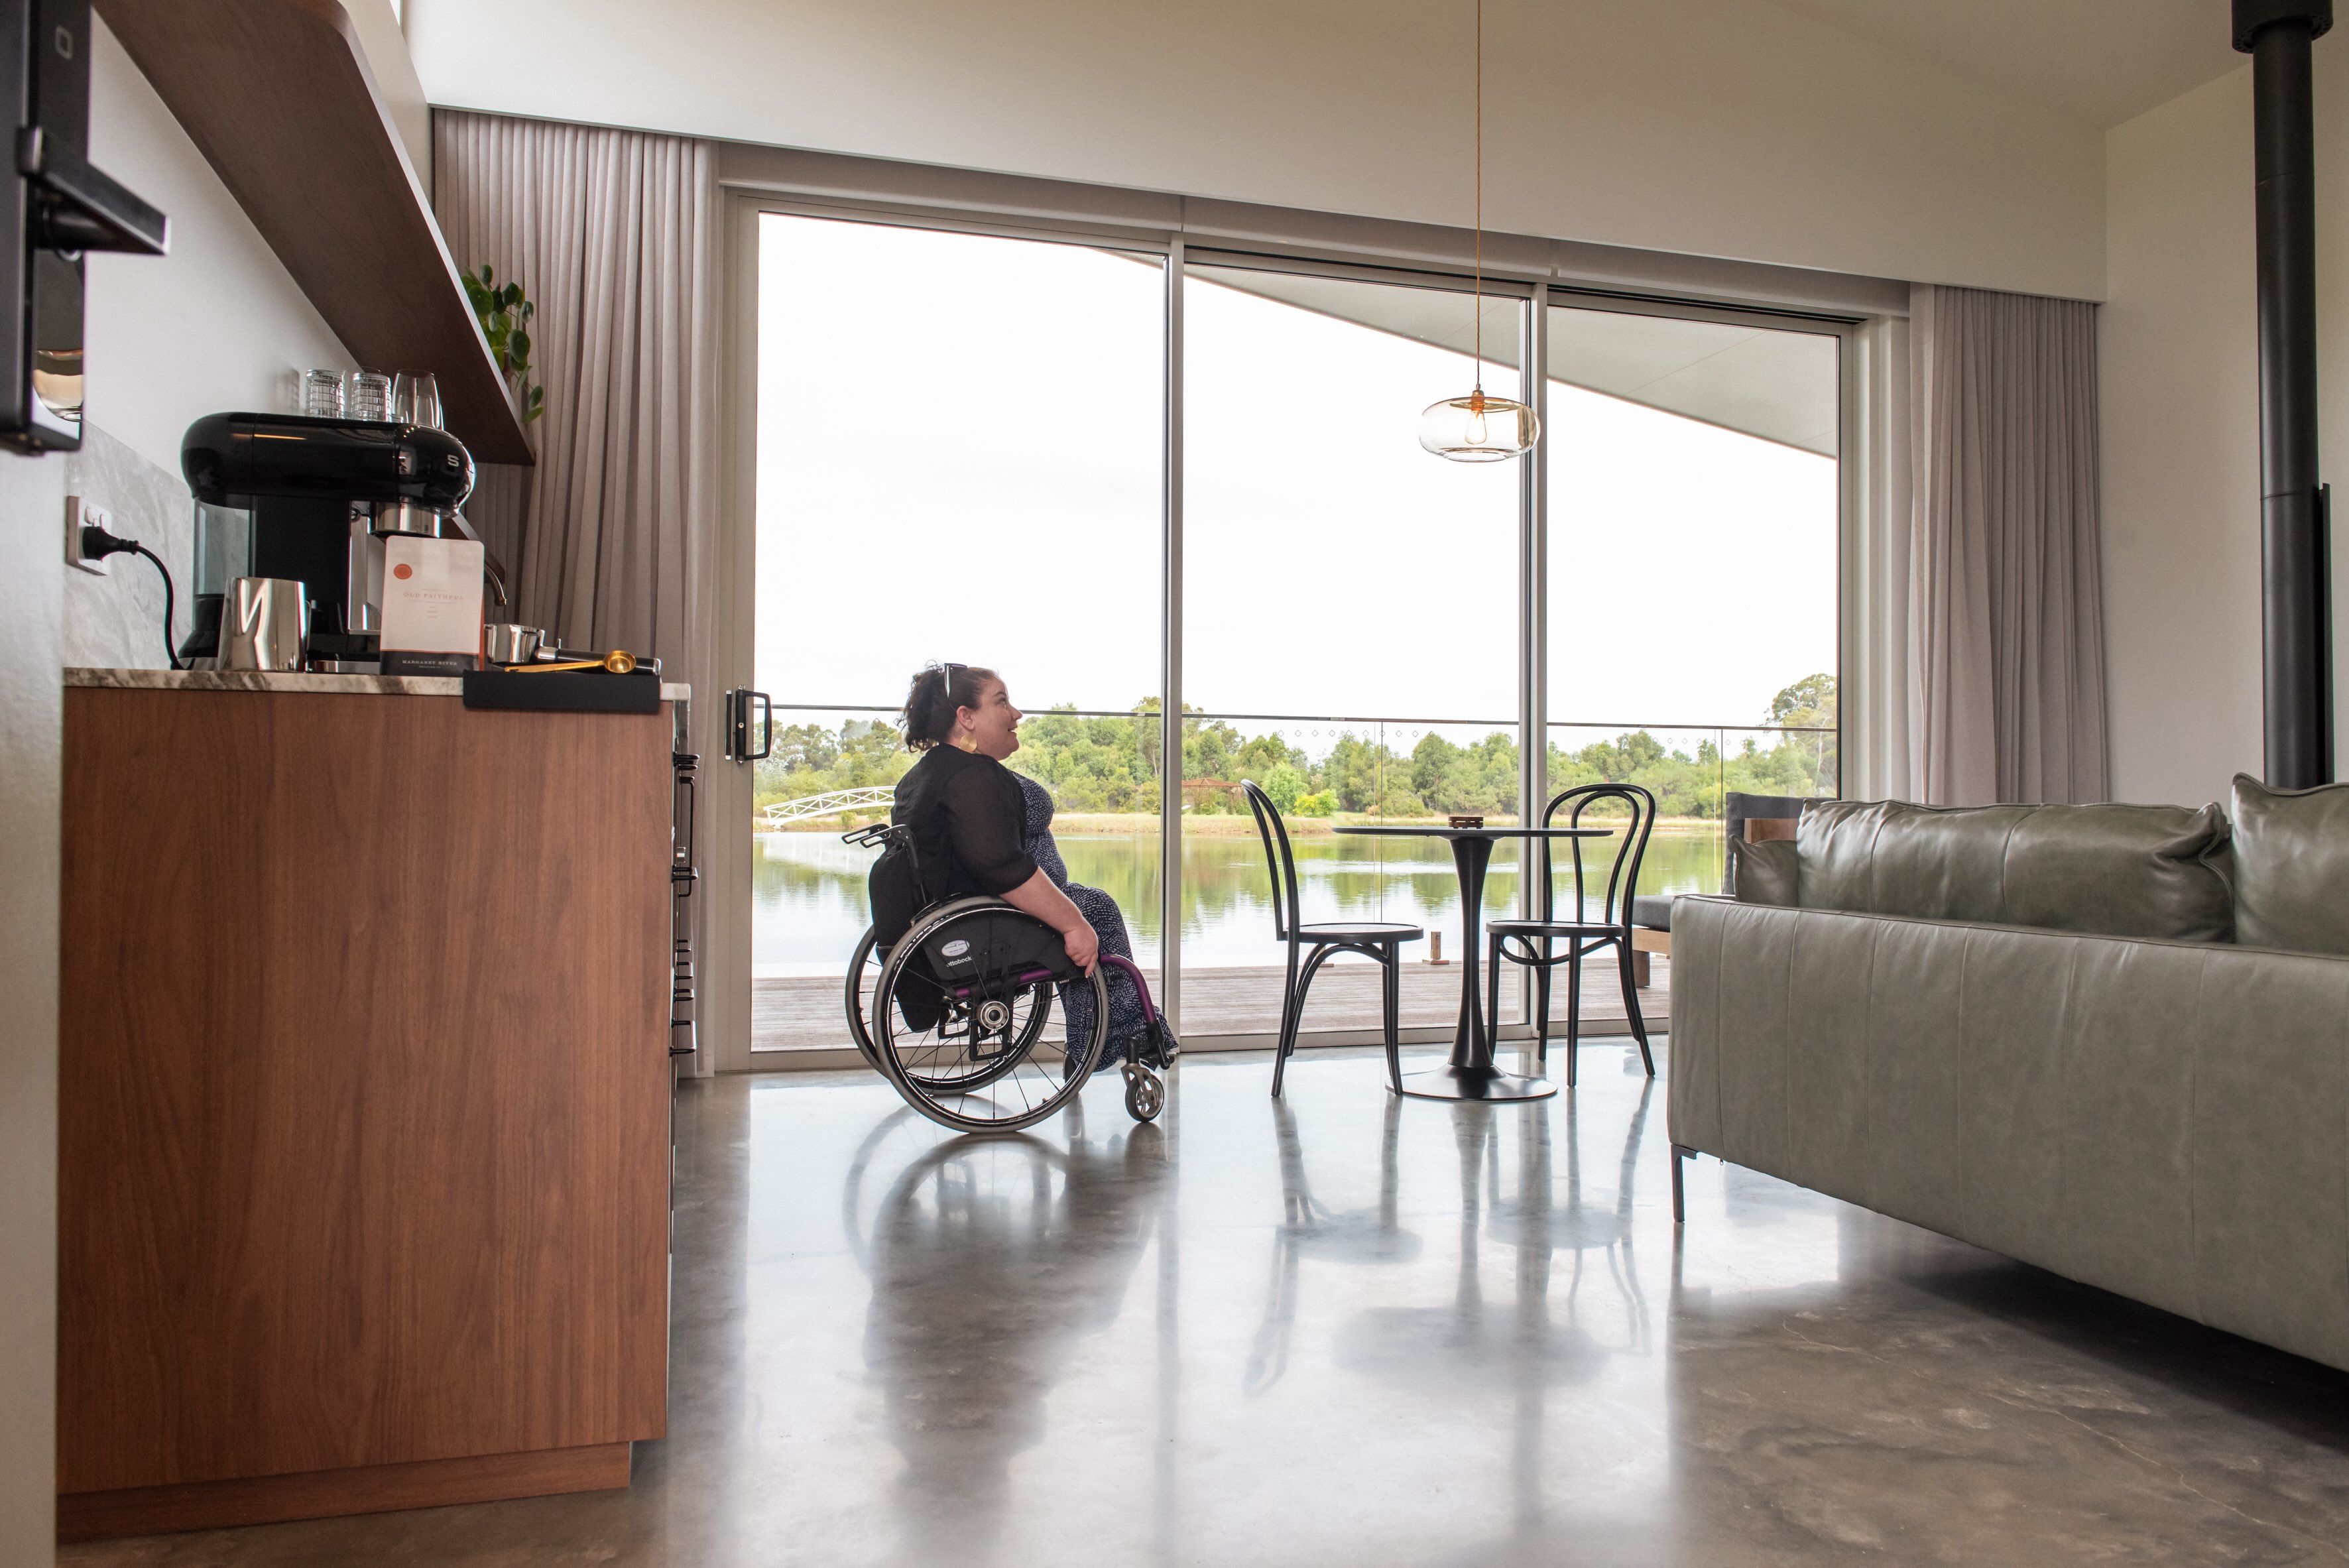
x=620, y=662
x=1470, y=1074
x=1467, y=821
x=595, y=690
x=506, y=643
x=322, y=394
x=431, y=605
x=367, y=395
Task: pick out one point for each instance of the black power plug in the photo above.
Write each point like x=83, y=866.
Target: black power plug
x=96, y=544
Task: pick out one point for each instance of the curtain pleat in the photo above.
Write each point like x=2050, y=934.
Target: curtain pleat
x=613, y=236
x=2006, y=598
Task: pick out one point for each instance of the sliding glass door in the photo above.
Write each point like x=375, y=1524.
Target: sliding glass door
x=1691, y=593
x=966, y=450
x=1350, y=631
x=958, y=460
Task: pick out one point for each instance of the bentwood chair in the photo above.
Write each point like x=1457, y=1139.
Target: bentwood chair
x=1534, y=944
x=1309, y=946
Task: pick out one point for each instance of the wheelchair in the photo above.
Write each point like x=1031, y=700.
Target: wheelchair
x=952, y=1013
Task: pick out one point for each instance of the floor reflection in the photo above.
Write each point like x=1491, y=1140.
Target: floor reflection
x=1346, y=1329
x=987, y=1256
x=1312, y=1228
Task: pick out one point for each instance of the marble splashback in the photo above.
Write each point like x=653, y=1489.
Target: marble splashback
x=116, y=621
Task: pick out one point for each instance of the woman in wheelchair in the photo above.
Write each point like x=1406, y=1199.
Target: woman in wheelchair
x=979, y=827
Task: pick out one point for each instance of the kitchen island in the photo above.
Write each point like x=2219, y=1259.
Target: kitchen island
x=364, y=1113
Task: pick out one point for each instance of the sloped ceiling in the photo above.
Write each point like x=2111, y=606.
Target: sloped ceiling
x=2099, y=61
x=1780, y=386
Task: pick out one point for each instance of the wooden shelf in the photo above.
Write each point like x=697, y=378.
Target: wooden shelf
x=277, y=96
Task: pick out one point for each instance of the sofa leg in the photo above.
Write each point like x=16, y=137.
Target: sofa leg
x=1680, y=1152
x=1642, y=976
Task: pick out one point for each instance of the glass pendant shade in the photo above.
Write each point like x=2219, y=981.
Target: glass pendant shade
x=1478, y=429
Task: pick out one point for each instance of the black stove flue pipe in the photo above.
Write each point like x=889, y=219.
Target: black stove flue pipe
x=2295, y=565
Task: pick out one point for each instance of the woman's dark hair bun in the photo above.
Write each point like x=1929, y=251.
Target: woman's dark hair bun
x=938, y=693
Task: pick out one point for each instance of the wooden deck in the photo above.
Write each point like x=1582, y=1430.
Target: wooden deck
x=805, y=1014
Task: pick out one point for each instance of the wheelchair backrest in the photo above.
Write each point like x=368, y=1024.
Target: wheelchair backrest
x=894, y=886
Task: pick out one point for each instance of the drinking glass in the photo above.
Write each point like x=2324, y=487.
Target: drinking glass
x=322, y=394
x=416, y=399
x=367, y=395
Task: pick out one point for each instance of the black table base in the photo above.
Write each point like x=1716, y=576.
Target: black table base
x=1470, y=1074
x=1475, y=1083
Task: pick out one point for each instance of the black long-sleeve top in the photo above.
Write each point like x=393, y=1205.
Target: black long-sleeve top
x=967, y=812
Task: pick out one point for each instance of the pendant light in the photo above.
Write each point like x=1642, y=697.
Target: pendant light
x=1478, y=428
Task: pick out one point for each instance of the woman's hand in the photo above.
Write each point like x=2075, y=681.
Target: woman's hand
x=1083, y=945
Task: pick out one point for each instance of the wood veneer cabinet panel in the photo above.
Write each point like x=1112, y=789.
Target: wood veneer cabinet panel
x=364, y=1138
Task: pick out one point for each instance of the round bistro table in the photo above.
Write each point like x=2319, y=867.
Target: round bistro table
x=1470, y=1074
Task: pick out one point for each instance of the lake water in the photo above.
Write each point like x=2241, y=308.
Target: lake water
x=809, y=903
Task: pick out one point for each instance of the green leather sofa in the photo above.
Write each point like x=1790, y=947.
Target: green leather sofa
x=2112, y=1041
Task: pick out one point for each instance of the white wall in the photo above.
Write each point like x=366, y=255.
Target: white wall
x=2180, y=428
x=218, y=323
x=384, y=46
x=32, y=497
x=1722, y=127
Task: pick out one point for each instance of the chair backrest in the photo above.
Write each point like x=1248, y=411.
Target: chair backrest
x=1739, y=809
x=1277, y=859
x=1624, y=850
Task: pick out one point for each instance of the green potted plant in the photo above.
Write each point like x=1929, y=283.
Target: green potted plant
x=505, y=322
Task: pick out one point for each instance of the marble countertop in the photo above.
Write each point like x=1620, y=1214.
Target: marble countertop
x=270, y=680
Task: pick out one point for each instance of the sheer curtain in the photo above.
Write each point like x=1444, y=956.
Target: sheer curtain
x=614, y=235
x=2006, y=598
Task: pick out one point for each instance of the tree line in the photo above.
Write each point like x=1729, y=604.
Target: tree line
x=1111, y=764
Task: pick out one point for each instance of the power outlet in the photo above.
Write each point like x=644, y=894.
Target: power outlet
x=79, y=514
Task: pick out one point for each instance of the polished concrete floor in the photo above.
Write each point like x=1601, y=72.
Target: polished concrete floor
x=1360, y=1331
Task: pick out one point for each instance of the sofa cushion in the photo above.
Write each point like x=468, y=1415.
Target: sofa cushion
x=2119, y=870
x=2291, y=867
x=1653, y=910
x=1765, y=872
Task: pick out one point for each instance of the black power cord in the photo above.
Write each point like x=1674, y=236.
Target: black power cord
x=96, y=544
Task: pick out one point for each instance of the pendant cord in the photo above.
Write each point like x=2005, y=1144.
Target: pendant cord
x=1477, y=299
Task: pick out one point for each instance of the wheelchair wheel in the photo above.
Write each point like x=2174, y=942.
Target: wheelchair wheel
x=863, y=974
x=1145, y=1093
x=863, y=982
x=865, y=967
x=960, y=1010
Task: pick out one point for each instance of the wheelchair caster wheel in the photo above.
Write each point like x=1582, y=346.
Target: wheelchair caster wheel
x=1145, y=1095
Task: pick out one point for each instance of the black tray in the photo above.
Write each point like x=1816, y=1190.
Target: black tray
x=564, y=691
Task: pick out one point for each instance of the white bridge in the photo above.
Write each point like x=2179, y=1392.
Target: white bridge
x=831, y=802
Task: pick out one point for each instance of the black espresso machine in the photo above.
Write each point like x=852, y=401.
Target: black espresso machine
x=313, y=500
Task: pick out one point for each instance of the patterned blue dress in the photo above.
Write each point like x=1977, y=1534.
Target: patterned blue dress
x=1127, y=1028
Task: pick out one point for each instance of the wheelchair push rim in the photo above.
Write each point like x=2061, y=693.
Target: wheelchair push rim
x=865, y=972
x=974, y=1066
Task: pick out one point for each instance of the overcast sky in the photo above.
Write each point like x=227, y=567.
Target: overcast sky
x=959, y=457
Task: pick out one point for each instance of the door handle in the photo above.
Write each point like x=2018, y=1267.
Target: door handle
x=740, y=703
